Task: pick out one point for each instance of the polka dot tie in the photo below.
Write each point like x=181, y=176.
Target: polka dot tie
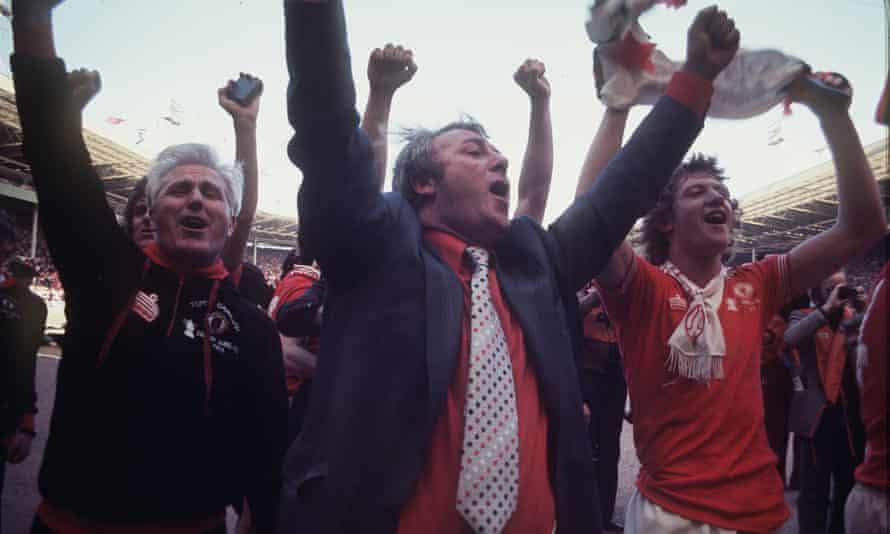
x=489, y=471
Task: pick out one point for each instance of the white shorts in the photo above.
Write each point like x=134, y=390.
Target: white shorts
x=867, y=511
x=645, y=517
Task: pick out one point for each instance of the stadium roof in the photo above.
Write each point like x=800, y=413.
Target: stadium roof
x=774, y=218
x=777, y=217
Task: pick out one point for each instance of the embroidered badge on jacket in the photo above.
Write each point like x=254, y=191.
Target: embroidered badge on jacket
x=146, y=306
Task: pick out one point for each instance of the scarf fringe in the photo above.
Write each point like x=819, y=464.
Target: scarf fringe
x=697, y=367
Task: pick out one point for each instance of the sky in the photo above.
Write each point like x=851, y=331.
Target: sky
x=152, y=53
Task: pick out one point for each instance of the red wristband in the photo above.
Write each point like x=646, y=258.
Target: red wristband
x=692, y=91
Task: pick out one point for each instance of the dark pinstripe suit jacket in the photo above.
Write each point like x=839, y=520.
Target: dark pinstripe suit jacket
x=393, y=316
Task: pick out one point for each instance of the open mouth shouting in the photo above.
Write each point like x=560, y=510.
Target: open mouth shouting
x=501, y=190
x=193, y=223
x=718, y=216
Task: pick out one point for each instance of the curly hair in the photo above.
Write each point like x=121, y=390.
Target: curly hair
x=417, y=159
x=655, y=242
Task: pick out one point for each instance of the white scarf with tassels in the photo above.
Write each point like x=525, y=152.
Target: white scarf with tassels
x=697, y=344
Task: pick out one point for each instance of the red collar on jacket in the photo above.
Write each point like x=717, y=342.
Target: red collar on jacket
x=6, y=280
x=214, y=272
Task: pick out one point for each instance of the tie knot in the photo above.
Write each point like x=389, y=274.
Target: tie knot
x=479, y=257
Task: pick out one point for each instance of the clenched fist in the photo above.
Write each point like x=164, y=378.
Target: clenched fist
x=390, y=68
x=711, y=43
x=530, y=76
x=85, y=84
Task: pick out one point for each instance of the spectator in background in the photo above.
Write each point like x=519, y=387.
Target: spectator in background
x=22, y=320
x=867, y=506
x=300, y=347
x=604, y=391
x=775, y=379
x=834, y=444
x=137, y=223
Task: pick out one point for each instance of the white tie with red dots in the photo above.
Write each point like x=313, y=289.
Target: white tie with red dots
x=488, y=487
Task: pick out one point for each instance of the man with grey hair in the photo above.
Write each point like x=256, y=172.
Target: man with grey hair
x=447, y=398
x=171, y=400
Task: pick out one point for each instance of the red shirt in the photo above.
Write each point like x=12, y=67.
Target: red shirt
x=702, y=447
x=774, y=336
x=872, y=373
x=290, y=288
x=432, y=508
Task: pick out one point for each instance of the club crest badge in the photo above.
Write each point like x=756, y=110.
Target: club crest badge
x=217, y=323
x=743, y=290
x=146, y=306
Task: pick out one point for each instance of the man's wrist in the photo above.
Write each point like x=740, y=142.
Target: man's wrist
x=691, y=90
x=244, y=125
x=382, y=93
x=701, y=72
x=539, y=100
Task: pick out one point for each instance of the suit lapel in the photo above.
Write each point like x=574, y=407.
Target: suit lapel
x=444, y=312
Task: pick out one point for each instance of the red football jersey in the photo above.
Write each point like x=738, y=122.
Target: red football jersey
x=703, y=449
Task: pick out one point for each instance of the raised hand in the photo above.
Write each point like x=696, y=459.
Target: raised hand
x=242, y=115
x=390, y=68
x=530, y=77
x=822, y=92
x=85, y=84
x=711, y=43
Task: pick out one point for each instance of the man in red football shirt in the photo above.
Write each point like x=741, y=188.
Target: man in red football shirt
x=869, y=501
x=690, y=330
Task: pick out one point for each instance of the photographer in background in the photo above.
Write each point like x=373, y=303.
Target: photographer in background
x=604, y=392
x=827, y=413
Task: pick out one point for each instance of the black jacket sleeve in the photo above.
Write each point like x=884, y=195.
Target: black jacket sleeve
x=596, y=223
x=297, y=318
x=802, y=326
x=268, y=439
x=86, y=244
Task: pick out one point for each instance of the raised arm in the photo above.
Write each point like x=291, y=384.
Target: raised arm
x=389, y=68
x=537, y=165
x=84, y=239
x=244, y=121
x=860, y=216
x=343, y=217
x=596, y=224
x=606, y=143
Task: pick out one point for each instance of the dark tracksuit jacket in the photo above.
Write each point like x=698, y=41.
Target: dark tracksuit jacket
x=22, y=319
x=153, y=420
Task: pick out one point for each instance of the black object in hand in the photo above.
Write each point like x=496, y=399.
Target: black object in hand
x=847, y=293
x=245, y=89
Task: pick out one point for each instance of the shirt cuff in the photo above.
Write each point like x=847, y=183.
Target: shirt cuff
x=692, y=91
